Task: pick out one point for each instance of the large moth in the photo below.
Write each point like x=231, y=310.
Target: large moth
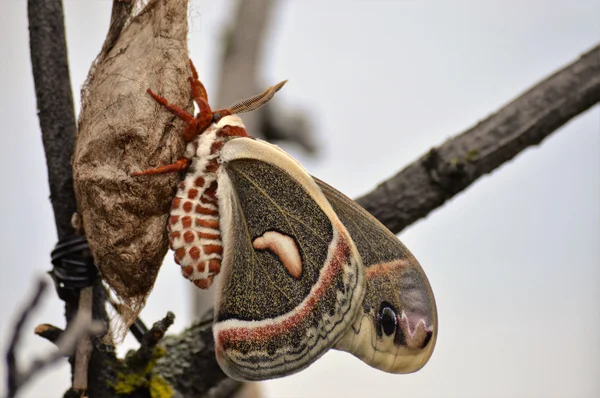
x=304, y=268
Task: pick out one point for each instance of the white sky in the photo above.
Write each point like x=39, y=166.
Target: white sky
x=514, y=261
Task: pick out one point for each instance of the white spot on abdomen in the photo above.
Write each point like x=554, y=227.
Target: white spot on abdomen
x=284, y=247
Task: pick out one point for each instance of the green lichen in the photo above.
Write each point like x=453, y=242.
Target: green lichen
x=472, y=155
x=159, y=388
x=132, y=378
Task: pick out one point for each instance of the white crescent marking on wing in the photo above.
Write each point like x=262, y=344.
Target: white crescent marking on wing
x=284, y=247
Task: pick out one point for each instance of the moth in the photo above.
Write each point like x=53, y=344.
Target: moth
x=303, y=268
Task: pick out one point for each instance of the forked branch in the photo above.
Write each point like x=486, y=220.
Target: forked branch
x=81, y=327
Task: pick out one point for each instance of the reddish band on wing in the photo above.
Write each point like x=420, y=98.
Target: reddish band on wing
x=262, y=333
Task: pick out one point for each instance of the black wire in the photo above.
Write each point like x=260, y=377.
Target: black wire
x=74, y=266
x=74, y=269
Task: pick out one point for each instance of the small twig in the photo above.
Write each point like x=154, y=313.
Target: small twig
x=240, y=76
x=121, y=12
x=80, y=326
x=295, y=127
x=154, y=335
x=151, y=338
x=84, y=346
x=49, y=332
x=14, y=378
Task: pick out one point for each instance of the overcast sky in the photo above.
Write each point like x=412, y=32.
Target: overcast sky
x=514, y=261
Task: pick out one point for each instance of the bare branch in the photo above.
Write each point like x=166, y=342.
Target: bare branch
x=80, y=327
x=243, y=44
x=152, y=337
x=55, y=104
x=14, y=379
x=121, y=12
x=84, y=346
x=49, y=332
x=187, y=352
x=448, y=169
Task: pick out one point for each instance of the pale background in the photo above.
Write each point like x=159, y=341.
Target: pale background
x=514, y=261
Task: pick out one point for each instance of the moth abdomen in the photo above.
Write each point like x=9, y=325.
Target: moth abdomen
x=194, y=225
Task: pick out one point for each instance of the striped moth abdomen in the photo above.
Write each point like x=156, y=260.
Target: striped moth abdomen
x=194, y=228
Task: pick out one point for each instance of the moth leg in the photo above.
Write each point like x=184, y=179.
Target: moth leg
x=198, y=90
x=191, y=124
x=176, y=167
x=205, y=114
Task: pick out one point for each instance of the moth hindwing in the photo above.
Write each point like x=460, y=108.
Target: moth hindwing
x=396, y=328
x=292, y=280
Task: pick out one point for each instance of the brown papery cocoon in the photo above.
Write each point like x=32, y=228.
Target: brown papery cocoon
x=122, y=130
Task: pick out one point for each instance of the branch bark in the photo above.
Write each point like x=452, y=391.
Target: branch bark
x=437, y=176
x=57, y=123
x=55, y=104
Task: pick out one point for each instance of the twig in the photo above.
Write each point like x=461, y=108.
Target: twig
x=49, y=332
x=240, y=76
x=187, y=352
x=136, y=375
x=121, y=12
x=81, y=326
x=84, y=346
x=448, y=169
x=57, y=122
x=14, y=378
x=152, y=337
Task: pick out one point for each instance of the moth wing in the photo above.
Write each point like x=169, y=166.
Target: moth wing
x=292, y=280
x=396, y=328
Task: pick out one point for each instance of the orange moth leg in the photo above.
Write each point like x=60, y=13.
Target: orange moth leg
x=175, y=110
x=198, y=90
x=176, y=167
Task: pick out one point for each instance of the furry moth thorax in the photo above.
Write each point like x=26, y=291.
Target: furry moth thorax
x=304, y=268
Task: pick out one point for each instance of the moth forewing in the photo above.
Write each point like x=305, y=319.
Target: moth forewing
x=292, y=280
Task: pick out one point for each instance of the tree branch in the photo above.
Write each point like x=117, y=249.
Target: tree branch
x=49, y=332
x=55, y=104
x=448, y=169
x=187, y=352
x=121, y=12
x=57, y=123
x=81, y=327
x=11, y=361
x=239, y=78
